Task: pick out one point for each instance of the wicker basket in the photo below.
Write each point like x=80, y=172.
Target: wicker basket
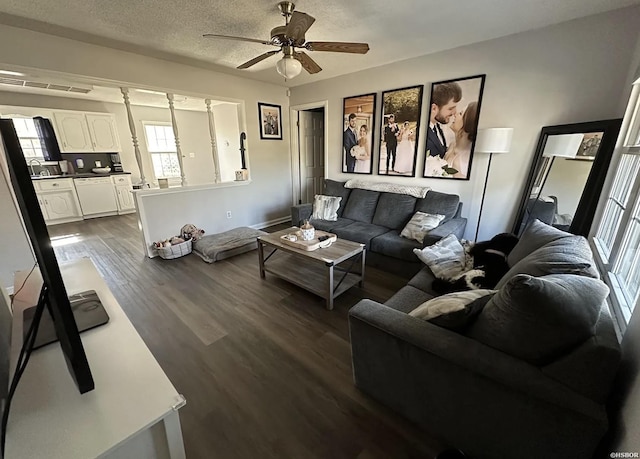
x=175, y=251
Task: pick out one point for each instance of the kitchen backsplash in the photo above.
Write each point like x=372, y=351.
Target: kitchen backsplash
x=89, y=160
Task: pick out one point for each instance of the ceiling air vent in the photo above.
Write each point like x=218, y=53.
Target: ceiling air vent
x=47, y=85
x=11, y=81
x=35, y=84
x=59, y=87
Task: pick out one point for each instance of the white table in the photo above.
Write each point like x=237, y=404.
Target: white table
x=131, y=413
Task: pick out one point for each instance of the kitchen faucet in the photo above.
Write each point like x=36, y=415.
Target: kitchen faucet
x=33, y=174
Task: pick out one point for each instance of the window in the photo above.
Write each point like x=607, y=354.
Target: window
x=617, y=237
x=28, y=136
x=161, y=145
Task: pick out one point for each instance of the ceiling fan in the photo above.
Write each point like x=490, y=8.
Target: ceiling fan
x=291, y=36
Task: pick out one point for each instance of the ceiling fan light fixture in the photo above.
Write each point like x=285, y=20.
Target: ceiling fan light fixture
x=289, y=67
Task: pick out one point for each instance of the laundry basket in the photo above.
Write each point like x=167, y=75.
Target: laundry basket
x=175, y=251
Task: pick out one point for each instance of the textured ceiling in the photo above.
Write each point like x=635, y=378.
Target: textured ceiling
x=394, y=30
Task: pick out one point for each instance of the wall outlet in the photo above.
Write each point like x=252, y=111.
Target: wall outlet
x=228, y=214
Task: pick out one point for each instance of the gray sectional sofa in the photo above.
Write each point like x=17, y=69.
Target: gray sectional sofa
x=528, y=379
x=377, y=218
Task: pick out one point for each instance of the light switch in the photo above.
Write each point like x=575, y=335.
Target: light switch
x=192, y=155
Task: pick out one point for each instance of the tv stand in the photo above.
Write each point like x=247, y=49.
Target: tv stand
x=133, y=411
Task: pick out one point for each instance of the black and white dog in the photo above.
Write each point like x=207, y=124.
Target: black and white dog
x=489, y=265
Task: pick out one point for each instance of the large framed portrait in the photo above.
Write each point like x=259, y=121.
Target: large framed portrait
x=270, y=119
x=358, y=115
x=399, y=131
x=454, y=110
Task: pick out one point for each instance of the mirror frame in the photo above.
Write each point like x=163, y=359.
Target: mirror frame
x=583, y=217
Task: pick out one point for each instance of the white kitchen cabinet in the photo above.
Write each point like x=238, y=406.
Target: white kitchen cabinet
x=80, y=132
x=58, y=200
x=73, y=132
x=103, y=132
x=124, y=193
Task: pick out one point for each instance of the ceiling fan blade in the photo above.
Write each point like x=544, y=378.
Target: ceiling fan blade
x=298, y=25
x=228, y=37
x=255, y=60
x=307, y=63
x=337, y=47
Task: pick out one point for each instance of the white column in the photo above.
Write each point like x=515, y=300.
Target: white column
x=214, y=142
x=134, y=136
x=175, y=134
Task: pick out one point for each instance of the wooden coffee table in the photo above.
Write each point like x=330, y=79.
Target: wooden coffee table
x=314, y=271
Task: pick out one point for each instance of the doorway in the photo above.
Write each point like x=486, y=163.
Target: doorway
x=309, y=151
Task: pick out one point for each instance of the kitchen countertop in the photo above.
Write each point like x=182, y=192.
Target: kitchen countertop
x=79, y=175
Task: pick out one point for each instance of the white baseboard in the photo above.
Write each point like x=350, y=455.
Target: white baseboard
x=276, y=221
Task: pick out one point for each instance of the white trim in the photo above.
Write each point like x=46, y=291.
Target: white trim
x=184, y=189
x=295, y=144
x=269, y=223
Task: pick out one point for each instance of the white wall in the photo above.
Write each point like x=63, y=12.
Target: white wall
x=568, y=73
x=228, y=140
x=566, y=181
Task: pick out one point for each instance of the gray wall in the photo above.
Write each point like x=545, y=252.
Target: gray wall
x=567, y=73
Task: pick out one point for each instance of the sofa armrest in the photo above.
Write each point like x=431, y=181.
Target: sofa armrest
x=467, y=355
x=454, y=226
x=301, y=212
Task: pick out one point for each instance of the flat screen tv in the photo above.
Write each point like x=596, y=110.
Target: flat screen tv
x=53, y=294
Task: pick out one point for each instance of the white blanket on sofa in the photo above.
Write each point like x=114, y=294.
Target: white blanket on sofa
x=415, y=191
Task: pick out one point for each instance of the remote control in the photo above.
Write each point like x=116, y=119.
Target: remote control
x=323, y=238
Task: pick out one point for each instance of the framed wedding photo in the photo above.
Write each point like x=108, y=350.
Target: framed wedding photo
x=454, y=110
x=358, y=121
x=270, y=118
x=399, y=131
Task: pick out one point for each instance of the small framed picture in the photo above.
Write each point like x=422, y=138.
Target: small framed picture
x=358, y=122
x=270, y=118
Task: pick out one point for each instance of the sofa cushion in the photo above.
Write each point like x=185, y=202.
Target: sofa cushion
x=360, y=232
x=454, y=311
x=534, y=236
x=439, y=203
x=361, y=205
x=394, y=210
x=420, y=224
x=423, y=280
x=392, y=245
x=567, y=255
x=327, y=225
x=326, y=207
x=334, y=188
x=407, y=299
x=538, y=319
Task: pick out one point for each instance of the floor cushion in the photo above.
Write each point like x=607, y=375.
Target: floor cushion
x=216, y=247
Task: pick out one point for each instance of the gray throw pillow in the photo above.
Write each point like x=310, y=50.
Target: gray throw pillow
x=454, y=311
x=535, y=235
x=538, y=319
x=567, y=255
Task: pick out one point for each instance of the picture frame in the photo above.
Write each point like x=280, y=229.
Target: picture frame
x=270, y=119
x=454, y=111
x=590, y=146
x=399, y=131
x=358, y=121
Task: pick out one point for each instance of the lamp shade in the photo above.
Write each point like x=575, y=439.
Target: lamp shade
x=494, y=140
x=565, y=145
x=289, y=67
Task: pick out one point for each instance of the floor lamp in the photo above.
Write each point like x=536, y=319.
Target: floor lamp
x=561, y=145
x=494, y=140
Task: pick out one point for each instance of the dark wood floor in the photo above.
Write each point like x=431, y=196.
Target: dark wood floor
x=265, y=368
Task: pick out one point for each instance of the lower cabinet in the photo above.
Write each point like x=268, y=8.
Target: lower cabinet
x=124, y=193
x=58, y=200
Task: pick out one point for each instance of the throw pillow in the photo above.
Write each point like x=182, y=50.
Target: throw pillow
x=454, y=311
x=326, y=207
x=446, y=258
x=420, y=224
x=538, y=319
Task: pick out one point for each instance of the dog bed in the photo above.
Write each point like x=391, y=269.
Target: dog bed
x=216, y=247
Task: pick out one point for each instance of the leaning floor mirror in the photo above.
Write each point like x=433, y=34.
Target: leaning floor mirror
x=567, y=175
